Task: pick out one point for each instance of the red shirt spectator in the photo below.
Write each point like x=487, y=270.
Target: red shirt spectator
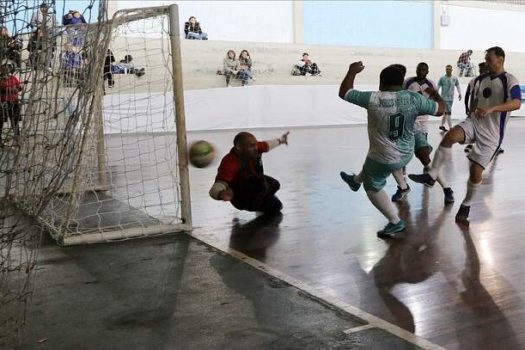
x=9, y=88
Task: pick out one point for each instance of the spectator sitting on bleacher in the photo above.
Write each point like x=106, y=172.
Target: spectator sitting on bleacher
x=193, y=30
x=126, y=66
x=230, y=66
x=306, y=66
x=245, y=67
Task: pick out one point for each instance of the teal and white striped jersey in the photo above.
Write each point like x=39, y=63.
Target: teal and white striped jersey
x=391, y=117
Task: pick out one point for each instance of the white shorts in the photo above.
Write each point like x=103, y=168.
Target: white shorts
x=484, y=150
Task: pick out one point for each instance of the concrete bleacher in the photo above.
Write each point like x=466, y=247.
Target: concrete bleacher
x=276, y=98
x=272, y=63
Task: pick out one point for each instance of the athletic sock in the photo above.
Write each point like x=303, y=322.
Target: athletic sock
x=472, y=188
x=442, y=154
x=400, y=179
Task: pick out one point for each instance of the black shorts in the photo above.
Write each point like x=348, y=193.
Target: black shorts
x=10, y=111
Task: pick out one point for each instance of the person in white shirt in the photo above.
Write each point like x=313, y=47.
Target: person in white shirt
x=493, y=97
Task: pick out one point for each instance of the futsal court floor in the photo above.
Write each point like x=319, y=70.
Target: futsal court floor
x=460, y=288
x=314, y=277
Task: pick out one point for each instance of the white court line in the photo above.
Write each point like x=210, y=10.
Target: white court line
x=358, y=329
x=316, y=294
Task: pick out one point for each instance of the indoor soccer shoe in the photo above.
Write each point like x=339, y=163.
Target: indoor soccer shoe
x=462, y=215
x=424, y=179
x=349, y=179
x=400, y=194
x=391, y=229
x=449, y=195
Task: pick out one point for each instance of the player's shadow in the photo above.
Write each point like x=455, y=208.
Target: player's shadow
x=255, y=236
x=409, y=260
x=493, y=330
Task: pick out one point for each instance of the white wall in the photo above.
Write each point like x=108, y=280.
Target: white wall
x=479, y=29
x=242, y=108
x=255, y=21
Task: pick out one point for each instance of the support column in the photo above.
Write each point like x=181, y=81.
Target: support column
x=298, y=21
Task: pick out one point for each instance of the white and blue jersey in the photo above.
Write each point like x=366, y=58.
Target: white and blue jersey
x=411, y=84
x=487, y=132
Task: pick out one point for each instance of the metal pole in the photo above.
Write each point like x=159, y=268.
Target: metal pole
x=180, y=119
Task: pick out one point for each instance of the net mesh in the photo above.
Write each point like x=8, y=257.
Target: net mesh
x=88, y=142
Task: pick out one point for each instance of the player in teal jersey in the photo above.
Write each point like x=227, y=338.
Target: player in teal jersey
x=447, y=83
x=392, y=112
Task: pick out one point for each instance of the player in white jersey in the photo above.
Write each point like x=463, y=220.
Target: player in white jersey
x=392, y=112
x=483, y=69
x=422, y=148
x=447, y=83
x=493, y=97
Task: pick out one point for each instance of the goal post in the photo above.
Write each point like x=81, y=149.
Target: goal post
x=129, y=27
x=109, y=160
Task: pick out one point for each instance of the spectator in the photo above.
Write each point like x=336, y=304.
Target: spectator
x=72, y=63
x=40, y=50
x=465, y=64
x=107, y=68
x=193, y=30
x=10, y=49
x=241, y=180
x=74, y=22
x=230, y=66
x=43, y=19
x=306, y=66
x=10, y=104
x=245, y=67
x=73, y=17
x=126, y=66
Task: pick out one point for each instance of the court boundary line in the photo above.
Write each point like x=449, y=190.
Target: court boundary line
x=320, y=296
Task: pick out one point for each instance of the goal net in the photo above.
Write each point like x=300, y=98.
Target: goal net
x=101, y=153
x=93, y=141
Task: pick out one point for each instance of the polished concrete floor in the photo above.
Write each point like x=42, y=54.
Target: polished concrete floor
x=461, y=288
x=174, y=292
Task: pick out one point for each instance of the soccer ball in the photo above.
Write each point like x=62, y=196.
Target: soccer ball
x=202, y=154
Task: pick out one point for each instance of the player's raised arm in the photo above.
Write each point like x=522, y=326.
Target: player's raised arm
x=348, y=81
x=283, y=140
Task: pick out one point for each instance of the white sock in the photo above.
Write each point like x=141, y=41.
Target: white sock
x=441, y=180
x=400, y=179
x=382, y=202
x=442, y=154
x=472, y=188
x=449, y=120
x=443, y=119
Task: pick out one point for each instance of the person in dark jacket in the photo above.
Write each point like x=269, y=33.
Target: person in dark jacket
x=193, y=30
x=107, y=68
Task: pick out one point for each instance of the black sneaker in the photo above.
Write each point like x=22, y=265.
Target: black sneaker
x=468, y=148
x=349, y=179
x=462, y=215
x=449, y=195
x=400, y=194
x=424, y=179
x=442, y=128
x=500, y=151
